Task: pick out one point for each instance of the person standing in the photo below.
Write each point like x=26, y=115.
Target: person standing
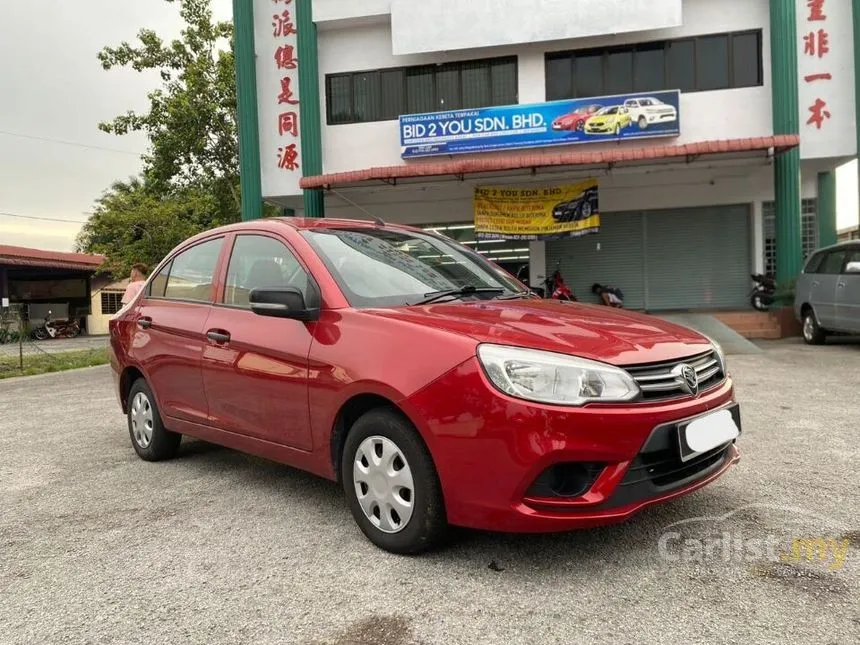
x=137, y=280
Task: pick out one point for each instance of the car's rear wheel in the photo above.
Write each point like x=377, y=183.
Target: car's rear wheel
x=813, y=334
x=617, y=129
x=643, y=123
x=150, y=439
x=391, y=484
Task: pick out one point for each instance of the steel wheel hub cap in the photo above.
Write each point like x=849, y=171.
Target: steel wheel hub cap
x=383, y=484
x=807, y=327
x=141, y=415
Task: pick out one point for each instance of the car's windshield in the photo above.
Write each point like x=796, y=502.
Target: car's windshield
x=609, y=110
x=380, y=267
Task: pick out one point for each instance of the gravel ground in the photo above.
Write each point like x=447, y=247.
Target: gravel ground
x=216, y=547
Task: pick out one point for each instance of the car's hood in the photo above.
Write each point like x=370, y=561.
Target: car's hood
x=590, y=331
x=606, y=118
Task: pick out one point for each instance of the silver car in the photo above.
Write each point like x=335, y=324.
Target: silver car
x=827, y=294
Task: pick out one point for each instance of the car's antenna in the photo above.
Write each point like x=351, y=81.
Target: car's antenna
x=376, y=218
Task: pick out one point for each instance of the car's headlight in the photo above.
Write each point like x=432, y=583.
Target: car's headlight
x=547, y=377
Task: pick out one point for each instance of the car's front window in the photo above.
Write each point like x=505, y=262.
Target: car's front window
x=380, y=267
x=611, y=110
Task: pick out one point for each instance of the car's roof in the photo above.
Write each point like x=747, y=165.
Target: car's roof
x=846, y=244
x=303, y=224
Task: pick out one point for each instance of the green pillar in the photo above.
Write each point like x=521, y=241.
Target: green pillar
x=246, y=104
x=786, y=120
x=827, y=208
x=309, y=95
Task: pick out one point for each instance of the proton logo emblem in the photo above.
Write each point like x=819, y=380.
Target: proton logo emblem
x=687, y=378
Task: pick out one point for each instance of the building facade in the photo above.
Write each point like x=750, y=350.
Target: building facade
x=740, y=180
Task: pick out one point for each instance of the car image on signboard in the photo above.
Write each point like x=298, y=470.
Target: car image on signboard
x=575, y=120
x=581, y=208
x=647, y=110
x=610, y=120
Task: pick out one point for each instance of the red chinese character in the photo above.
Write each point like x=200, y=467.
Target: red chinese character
x=288, y=122
x=286, y=95
x=287, y=157
x=823, y=43
x=285, y=57
x=282, y=1
x=820, y=113
x=818, y=77
x=283, y=25
x=816, y=10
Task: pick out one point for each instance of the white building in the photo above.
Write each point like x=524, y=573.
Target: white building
x=684, y=217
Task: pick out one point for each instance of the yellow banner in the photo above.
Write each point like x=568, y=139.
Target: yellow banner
x=539, y=213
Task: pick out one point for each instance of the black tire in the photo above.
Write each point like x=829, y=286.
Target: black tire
x=813, y=334
x=41, y=333
x=162, y=444
x=74, y=332
x=426, y=528
x=643, y=123
x=759, y=302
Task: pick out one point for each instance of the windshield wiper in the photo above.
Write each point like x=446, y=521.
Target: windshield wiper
x=467, y=290
x=520, y=295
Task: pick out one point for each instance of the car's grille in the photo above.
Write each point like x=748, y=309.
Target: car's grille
x=663, y=381
x=665, y=468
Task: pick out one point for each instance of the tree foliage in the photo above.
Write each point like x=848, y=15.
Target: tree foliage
x=132, y=224
x=191, y=122
x=190, y=177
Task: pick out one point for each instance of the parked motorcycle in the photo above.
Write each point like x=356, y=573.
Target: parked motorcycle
x=556, y=289
x=762, y=294
x=59, y=328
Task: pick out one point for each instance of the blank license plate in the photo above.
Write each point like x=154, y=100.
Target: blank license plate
x=706, y=433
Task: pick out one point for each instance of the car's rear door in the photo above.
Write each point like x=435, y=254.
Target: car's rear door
x=168, y=342
x=255, y=368
x=822, y=295
x=848, y=295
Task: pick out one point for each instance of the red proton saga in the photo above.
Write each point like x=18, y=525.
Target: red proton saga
x=576, y=120
x=422, y=377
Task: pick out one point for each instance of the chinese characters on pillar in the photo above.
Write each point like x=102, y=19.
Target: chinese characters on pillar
x=816, y=44
x=286, y=63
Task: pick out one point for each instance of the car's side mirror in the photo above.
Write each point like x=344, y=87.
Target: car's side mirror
x=282, y=302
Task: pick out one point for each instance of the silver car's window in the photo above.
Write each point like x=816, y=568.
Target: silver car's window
x=832, y=264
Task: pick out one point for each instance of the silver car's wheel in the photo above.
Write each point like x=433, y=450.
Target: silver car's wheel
x=141, y=417
x=808, y=329
x=383, y=484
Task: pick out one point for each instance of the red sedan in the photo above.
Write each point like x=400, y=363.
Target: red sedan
x=576, y=120
x=425, y=379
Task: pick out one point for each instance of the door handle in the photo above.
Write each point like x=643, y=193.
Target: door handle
x=145, y=322
x=218, y=336
x=840, y=284
x=815, y=283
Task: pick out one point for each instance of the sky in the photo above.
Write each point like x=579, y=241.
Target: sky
x=52, y=86
x=53, y=90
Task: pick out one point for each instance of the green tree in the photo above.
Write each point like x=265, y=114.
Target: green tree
x=132, y=224
x=191, y=121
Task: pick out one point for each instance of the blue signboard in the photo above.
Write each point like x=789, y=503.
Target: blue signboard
x=607, y=118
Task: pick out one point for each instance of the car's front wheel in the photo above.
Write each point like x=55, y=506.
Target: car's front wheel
x=391, y=484
x=813, y=334
x=150, y=439
x=643, y=123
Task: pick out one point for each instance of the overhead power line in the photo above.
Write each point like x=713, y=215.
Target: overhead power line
x=43, y=219
x=68, y=143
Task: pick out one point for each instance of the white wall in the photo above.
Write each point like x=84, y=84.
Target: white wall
x=704, y=115
x=421, y=26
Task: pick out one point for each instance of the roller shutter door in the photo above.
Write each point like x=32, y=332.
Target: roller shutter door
x=698, y=258
x=695, y=258
x=613, y=256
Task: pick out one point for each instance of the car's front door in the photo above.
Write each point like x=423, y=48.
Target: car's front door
x=822, y=295
x=848, y=295
x=168, y=343
x=255, y=368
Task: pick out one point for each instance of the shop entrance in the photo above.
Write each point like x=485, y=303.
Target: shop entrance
x=691, y=258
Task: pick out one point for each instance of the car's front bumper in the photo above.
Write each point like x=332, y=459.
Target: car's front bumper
x=490, y=450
